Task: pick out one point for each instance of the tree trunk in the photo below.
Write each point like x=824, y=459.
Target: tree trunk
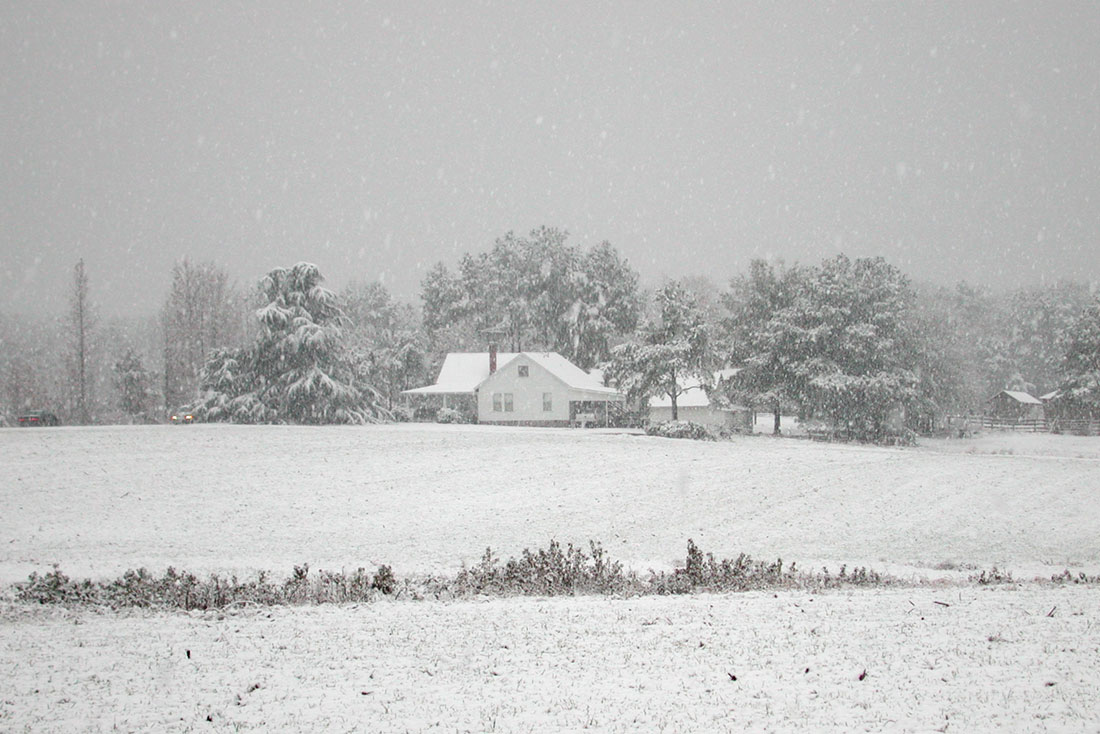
x=775, y=414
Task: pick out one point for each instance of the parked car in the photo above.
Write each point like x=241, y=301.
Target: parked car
x=181, y=416
x=37, y=418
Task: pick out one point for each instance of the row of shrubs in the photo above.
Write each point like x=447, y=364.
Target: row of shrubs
x=553, y=571
x=178, y=590
x=816, y=431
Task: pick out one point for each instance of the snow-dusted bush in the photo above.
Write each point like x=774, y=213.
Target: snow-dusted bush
x=447, y=415
x=680, y=429
x=549, y=572
x=992, y=577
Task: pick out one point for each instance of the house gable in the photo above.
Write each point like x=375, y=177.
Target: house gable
x=551, y=381
x=528, y=394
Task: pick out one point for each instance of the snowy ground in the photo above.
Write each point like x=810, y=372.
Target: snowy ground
x=98, y=501
x=204, y=498
x=993, y=660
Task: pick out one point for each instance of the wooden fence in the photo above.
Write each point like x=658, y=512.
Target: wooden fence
x=963, y=424
x=1032, y=425
x=1077, y=427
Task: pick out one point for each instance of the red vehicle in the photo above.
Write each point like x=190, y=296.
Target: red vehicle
x=38, y=418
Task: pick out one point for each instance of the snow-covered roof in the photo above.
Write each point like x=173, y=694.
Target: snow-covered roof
x=462, y=372
x=569, y=373
x=693, y=396
x=1050, y=395
x=1022, y=397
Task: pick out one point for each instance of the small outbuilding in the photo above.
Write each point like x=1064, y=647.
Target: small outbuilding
x=695, y=405
x=1015, y=406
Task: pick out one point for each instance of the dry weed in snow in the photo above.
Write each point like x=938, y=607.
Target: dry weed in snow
x=934, y=660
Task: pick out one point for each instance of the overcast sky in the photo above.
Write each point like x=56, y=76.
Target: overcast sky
x=958, y=140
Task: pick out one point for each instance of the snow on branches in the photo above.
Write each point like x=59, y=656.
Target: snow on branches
x=298, y=370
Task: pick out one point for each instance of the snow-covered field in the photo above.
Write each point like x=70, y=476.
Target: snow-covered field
x=228, y=498
x=991, y=661
x=98, y=501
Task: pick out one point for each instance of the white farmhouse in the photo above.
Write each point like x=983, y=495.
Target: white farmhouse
x=525, y=388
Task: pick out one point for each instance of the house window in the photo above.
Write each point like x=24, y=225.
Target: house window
x=523, y=372
x=508, y=406
x=547, y=402
x=498, y=404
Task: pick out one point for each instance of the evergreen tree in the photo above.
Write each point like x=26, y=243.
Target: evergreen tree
x=298, y=370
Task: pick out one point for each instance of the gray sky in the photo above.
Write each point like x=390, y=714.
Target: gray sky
x=958, y=140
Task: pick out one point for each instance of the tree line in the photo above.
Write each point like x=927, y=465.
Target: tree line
x=854, y=343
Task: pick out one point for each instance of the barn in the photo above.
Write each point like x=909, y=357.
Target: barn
x=524, y=388
x=1015, y=406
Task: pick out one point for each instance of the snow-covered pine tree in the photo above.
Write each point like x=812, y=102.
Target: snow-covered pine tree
x=298, y=370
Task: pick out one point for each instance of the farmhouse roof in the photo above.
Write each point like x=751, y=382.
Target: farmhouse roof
x=1022, y=397
x=1051, y=395
x=463, y=372
x=692, y=396
x=569, y=373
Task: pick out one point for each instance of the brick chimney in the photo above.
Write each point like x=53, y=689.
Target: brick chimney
x=492, y=357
